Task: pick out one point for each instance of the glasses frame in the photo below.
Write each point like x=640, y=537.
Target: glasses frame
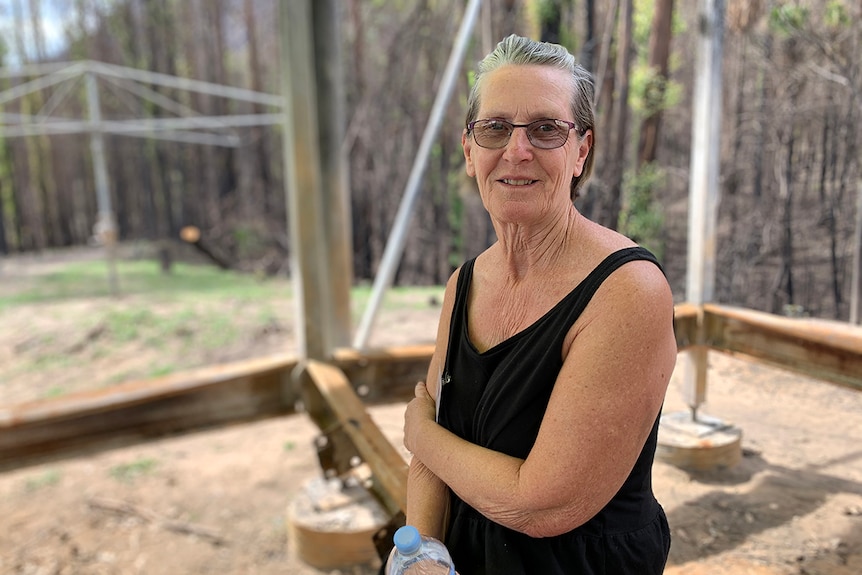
x=472, y=125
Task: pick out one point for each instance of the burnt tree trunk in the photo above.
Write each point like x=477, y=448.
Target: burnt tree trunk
x=659, y=57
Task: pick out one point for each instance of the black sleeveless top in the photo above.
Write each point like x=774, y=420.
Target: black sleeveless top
x=497, y=399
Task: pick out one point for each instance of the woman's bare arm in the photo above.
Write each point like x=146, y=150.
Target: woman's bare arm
x=427, y=495
x=603, y=406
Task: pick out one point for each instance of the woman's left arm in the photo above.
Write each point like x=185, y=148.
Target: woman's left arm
x=617, y=364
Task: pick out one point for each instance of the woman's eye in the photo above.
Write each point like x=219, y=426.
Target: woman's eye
x=496, y=126
x=546, y=127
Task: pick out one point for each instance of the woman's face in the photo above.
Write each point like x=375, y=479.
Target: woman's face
x=520, y=183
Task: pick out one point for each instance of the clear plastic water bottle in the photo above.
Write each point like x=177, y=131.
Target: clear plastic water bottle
x=415, y=554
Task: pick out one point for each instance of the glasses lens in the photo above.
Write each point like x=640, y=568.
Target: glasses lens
x=545, y=134
x=548, y=134
x=492, y=133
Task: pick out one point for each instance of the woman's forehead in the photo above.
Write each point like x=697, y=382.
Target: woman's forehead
x=538, y=91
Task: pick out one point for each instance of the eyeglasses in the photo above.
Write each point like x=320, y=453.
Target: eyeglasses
x=546, y=134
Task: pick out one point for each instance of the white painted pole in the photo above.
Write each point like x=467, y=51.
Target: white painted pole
x=703, y=186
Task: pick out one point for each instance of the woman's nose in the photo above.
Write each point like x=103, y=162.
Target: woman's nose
x=519, y=146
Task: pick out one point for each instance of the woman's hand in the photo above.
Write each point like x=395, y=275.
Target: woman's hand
x=421, y=409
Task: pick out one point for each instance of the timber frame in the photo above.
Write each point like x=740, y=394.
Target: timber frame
x=335, y=393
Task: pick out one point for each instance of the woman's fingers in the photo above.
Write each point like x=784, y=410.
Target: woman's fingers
x=420, y=390
x=419, y=408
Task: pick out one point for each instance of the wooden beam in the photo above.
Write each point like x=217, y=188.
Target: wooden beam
x=344, y=408
x=138, y=411
x=830, y=351
x=313, y=253
x=685, y=320
x=335, y=196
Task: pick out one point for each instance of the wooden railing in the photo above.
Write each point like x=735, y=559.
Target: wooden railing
x=335, y=393
x=827, y=350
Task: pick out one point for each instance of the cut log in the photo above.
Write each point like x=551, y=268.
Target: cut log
x=192, y=235
x=702, y=444
x=331, y=525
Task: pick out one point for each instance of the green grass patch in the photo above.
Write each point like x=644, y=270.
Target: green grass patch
x=127, y=325
x=128, y=472
x=400, y=297
x=220, y=331
x=55, y=391
x=47, y=478
x=199, y=283
x=91, y=279
x=194, y=308
x=119, y=378
x=160, y=370
x=51, y=361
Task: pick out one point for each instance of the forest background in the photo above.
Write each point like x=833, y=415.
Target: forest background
x=789, y=166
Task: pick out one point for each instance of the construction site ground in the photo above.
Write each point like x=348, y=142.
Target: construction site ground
x=216, y=501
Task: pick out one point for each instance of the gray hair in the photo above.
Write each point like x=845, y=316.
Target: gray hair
x=517, y=50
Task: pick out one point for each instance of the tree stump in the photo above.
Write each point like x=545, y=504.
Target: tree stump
x=331, y=524
x=702, y=444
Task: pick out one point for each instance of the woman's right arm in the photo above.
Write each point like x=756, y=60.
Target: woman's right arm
x=427, y=495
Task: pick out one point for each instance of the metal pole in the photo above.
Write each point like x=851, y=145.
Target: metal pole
x=106, y=228
x=856, y=289
x=703, y=187
x=395, y=244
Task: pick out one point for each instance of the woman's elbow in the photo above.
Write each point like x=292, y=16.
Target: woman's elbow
x=548, y=523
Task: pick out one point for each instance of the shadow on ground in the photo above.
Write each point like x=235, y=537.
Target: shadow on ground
x=756, y=496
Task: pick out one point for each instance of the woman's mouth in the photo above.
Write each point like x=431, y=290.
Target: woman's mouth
x=510, y=182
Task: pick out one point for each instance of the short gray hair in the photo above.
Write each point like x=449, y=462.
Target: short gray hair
x=517, y=50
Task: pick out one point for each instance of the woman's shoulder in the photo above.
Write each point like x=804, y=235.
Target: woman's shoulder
x=631, y=276
x=628, y=265
x=604, y=239
x=452, y=282
x=601, y=245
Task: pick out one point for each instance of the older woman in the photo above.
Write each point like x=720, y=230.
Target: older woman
x=533, y=439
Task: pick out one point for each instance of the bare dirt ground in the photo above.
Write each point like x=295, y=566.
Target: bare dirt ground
x=216, y=501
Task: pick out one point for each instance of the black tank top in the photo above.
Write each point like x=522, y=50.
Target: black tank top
x=497, y=399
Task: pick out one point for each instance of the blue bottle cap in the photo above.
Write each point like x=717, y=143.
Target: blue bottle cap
x=407, y=539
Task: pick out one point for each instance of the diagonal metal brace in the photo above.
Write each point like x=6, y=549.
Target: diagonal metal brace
x=335, y=451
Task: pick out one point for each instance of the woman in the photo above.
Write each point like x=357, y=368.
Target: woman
x=553, y=353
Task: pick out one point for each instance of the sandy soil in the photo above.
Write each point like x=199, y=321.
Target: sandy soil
x=216, y=501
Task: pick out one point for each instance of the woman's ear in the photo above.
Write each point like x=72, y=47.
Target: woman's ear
x=585, y=143
x=467, y=145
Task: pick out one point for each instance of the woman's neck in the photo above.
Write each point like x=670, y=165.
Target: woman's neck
x=522, y=249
